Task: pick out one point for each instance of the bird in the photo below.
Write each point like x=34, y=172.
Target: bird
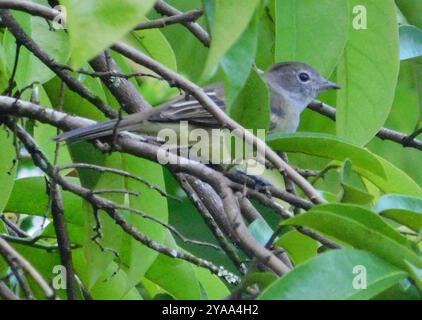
x=292, y=87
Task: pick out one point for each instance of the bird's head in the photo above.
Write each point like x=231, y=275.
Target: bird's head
x=298, y=82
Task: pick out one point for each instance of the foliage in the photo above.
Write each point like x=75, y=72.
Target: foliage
x=373, y=188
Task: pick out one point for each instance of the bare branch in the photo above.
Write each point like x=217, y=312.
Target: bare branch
x=32, y=8
x=384, y=133
x=6, y=293
x=13, y=257
x=196, y=29
x=211, y=209
x=60, y=227
x=190, y=16
x=120, y=173
x=122, y=89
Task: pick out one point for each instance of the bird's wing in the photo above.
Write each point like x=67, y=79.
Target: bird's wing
x=179, y=109
x=187, y=108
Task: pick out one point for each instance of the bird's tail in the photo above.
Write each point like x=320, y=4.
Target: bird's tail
x=93, y=131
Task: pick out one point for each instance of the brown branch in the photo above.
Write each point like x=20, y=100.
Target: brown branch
x=240, y=181
x=196, y=29
x=205, y=205
x=32, y=8
x=13, y=228
x=120, y=173
x=15, y=259
x=32, y=242
x=123, y=191
x=6, y=293
x=248, y=210
x=384, y=133
x=60, y=227
x=189, y=16
x=122, y=89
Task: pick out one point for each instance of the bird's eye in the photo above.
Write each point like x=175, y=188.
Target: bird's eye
x=304, y=77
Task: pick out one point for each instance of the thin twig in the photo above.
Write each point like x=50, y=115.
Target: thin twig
x=118, y=172
x=189, y=16
x=13, y=256
x=196, y=29
x=172, y=229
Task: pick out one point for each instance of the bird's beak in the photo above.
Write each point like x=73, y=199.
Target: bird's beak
x=330, y=85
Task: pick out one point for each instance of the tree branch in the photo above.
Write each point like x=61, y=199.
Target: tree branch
x=186, y=17
x=384, y=133
x=60, y=227
x=196, y=29
x=13, y=257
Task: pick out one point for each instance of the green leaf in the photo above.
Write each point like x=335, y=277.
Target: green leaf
x=213, y=286
x=308, y=31
x=175, y=276
x=362, y=229
x=229, y=21
x=352, y=193
x=96, y=24
x=238, y=61
x=332, y=275
x=155, y=44
x=30, y=68
x=110, y=235
x=266, y=39
x=112, y=283
x=403, y=290
x=405, y=210
x=45, y=263
x=299, y=246
x=137, y=257
x=7, y=167
x=396, y=180
x=416, y=274
x=411, y=10
x=262, y=279
x=29, y=196
x=368, y=70
x=73, y=103
x=43, y=133
x=184, y=43
x=261, y=231
x=410, y=42
x=251, y=108
x=380, y=172
x=327, y=146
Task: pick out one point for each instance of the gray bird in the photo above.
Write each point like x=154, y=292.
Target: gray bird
x=292, y=86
